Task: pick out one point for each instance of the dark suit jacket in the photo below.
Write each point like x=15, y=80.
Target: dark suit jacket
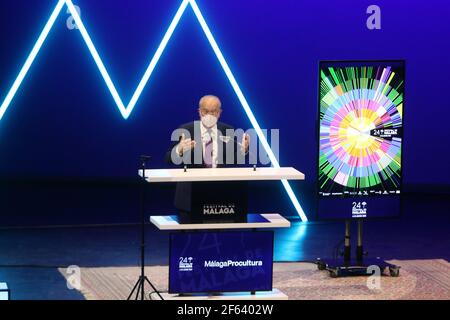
x=227, y=148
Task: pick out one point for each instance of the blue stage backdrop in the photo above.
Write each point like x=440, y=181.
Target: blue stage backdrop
x=63, y=121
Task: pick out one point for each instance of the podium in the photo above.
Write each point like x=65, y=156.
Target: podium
x=216, y=259
x=215, y=194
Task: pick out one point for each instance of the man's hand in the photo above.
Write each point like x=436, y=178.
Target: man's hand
x=185, y=145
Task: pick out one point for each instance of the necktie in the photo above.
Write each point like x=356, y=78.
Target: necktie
x=208, y=152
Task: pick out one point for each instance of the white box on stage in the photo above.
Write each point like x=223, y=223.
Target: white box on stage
x=244, y=251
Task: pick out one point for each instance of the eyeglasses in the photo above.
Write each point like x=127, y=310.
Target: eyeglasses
x=214, y=113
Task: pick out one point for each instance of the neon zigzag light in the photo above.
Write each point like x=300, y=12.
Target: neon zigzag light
x=126, y=110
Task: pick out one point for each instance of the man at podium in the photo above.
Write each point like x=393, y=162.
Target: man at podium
x=206, y=143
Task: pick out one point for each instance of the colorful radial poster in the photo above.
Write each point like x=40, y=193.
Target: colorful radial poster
x=361, y=125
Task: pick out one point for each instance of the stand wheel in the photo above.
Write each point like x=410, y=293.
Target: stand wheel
x=321, y=266
x=335, y=273
x=394, y=271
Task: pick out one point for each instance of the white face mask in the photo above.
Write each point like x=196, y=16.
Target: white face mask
x=209, y=120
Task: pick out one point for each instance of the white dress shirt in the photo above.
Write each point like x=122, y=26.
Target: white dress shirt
x=207, y=137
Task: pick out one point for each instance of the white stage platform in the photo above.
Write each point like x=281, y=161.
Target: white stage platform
x=274, y=220
x=221, y=174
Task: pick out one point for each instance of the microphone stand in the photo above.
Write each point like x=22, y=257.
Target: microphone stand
x=139, y=287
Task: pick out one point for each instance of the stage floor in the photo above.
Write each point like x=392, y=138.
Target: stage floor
x=30, y=258
x=420, y=279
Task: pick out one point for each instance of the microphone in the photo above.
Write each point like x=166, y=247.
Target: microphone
x=144, y=157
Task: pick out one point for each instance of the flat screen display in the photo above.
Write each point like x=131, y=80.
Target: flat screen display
x=361, y=110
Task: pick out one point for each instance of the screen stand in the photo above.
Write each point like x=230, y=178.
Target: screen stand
x=347, y=245
x=359, y=246
x=360, y=266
